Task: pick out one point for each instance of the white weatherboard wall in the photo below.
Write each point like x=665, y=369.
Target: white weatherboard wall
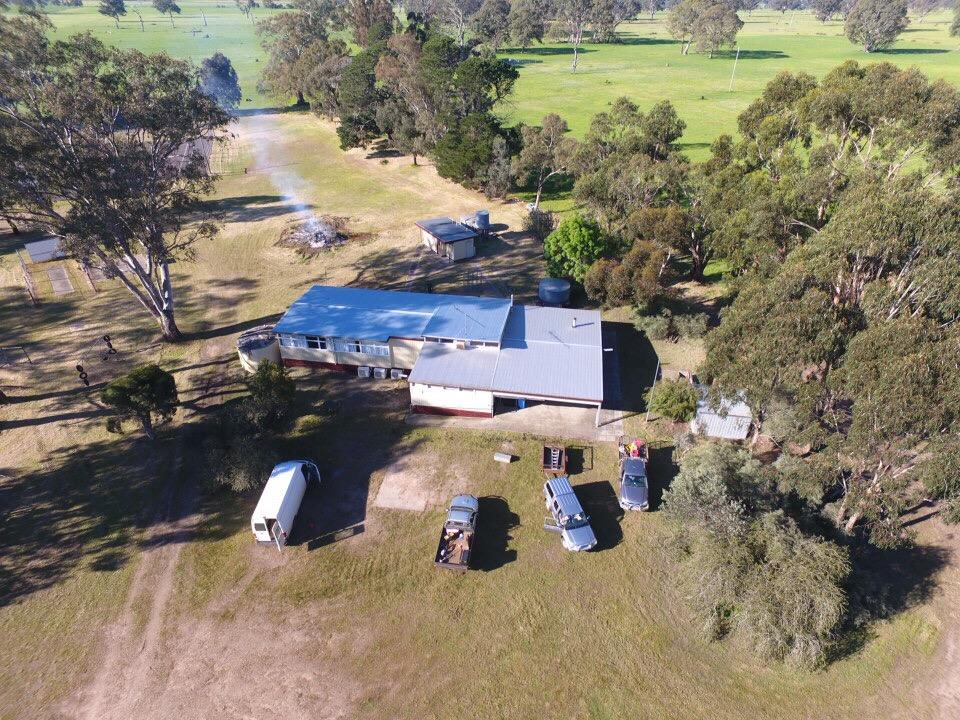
x=435, y=396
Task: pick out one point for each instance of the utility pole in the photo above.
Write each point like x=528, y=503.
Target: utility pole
x=733, y=75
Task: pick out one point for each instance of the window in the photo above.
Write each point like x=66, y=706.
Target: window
x=292, y=341
x=317, y=343
x=350, y=346
x=259, y=527
x=375, y=348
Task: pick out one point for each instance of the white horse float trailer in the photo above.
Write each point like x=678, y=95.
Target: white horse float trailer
x=272, y=520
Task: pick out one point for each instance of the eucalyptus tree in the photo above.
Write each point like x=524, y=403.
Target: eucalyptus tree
x=106, y=149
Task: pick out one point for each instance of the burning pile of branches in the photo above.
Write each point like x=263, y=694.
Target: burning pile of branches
x=315, y=234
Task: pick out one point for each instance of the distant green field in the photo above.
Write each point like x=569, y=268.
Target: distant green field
x=646, y=66
x=198, y=32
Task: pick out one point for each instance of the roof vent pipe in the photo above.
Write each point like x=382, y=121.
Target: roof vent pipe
x=573, y=323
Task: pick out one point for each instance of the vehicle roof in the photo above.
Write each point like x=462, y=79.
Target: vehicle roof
x=468, y=501
x=566, y=498
x=634, y=466
x=276, y=488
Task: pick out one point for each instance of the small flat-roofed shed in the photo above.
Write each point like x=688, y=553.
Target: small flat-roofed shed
x=448, y=238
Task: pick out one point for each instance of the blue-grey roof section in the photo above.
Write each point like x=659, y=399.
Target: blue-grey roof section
x=44, y=250
x=446, y=365
x=366, y=314
x=544, y=354
x=551, y=353
x=480, y=321
x=446, y=230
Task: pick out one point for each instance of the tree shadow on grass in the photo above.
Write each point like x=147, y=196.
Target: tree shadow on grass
x=750, y=54
x=85, y=508
x=911, y=51
x=884, y=583
x=495, y=521
x=253, y=208
x=545, y=51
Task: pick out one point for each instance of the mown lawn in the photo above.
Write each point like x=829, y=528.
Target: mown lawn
x=646, y=65
x=536, y=630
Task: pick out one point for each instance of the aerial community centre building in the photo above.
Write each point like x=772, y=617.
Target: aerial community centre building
x=462, y=355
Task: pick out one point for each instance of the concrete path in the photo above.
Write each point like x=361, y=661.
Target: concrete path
x=60, y=281
x=546, y=421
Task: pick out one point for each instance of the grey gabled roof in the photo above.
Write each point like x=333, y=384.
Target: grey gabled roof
x=544, y=354
x=446, y=230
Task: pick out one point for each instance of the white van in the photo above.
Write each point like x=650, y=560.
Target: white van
x=272, y=520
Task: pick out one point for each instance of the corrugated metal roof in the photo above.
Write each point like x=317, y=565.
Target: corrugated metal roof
x=366, y=314
x=446, y=365
x=731, y=421
x=446, y=230
x=553, y=325
x=542, y=355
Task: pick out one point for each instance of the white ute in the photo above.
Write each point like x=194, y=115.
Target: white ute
x=272, y=520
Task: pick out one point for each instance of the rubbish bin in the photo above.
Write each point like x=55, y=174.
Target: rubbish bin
x=521, y=403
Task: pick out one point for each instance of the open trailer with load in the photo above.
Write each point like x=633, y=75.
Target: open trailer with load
x=456, y=538
x=272, y=519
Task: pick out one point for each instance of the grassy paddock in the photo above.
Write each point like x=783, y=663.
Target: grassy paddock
x=536, y=629
x=646, y=65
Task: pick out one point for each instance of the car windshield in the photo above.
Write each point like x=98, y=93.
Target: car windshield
x=572, y=522
x=635, y=480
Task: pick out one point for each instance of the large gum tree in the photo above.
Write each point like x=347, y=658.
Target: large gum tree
x=107, y=150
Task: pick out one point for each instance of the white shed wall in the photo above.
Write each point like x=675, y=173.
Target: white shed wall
x=434, y=396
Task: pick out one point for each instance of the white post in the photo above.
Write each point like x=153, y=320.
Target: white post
x=656, y=374
x=733, y=75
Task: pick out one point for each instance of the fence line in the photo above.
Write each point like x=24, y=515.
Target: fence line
x=28, y=281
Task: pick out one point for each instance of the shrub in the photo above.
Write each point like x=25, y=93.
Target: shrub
x=675, y=399
x=655, y=327
x=540, y=223
x=573, y=247
x=236, y=456
x=147, y=394
x=692, y=327
x=597, y=279
x=271, y=396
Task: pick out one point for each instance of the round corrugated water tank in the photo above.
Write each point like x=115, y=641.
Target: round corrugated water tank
x=483, y=220
x=554, y=291
x=258, y=344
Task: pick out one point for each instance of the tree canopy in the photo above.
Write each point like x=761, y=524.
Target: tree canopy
x=147, y=394
x=876, y=24
x=105, y=149
x=847, y=297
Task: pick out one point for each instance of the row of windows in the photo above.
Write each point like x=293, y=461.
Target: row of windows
x=315, y=342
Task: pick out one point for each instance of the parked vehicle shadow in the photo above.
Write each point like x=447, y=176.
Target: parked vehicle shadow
x=495, y=520
x=322, y=521
x=599, y=500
